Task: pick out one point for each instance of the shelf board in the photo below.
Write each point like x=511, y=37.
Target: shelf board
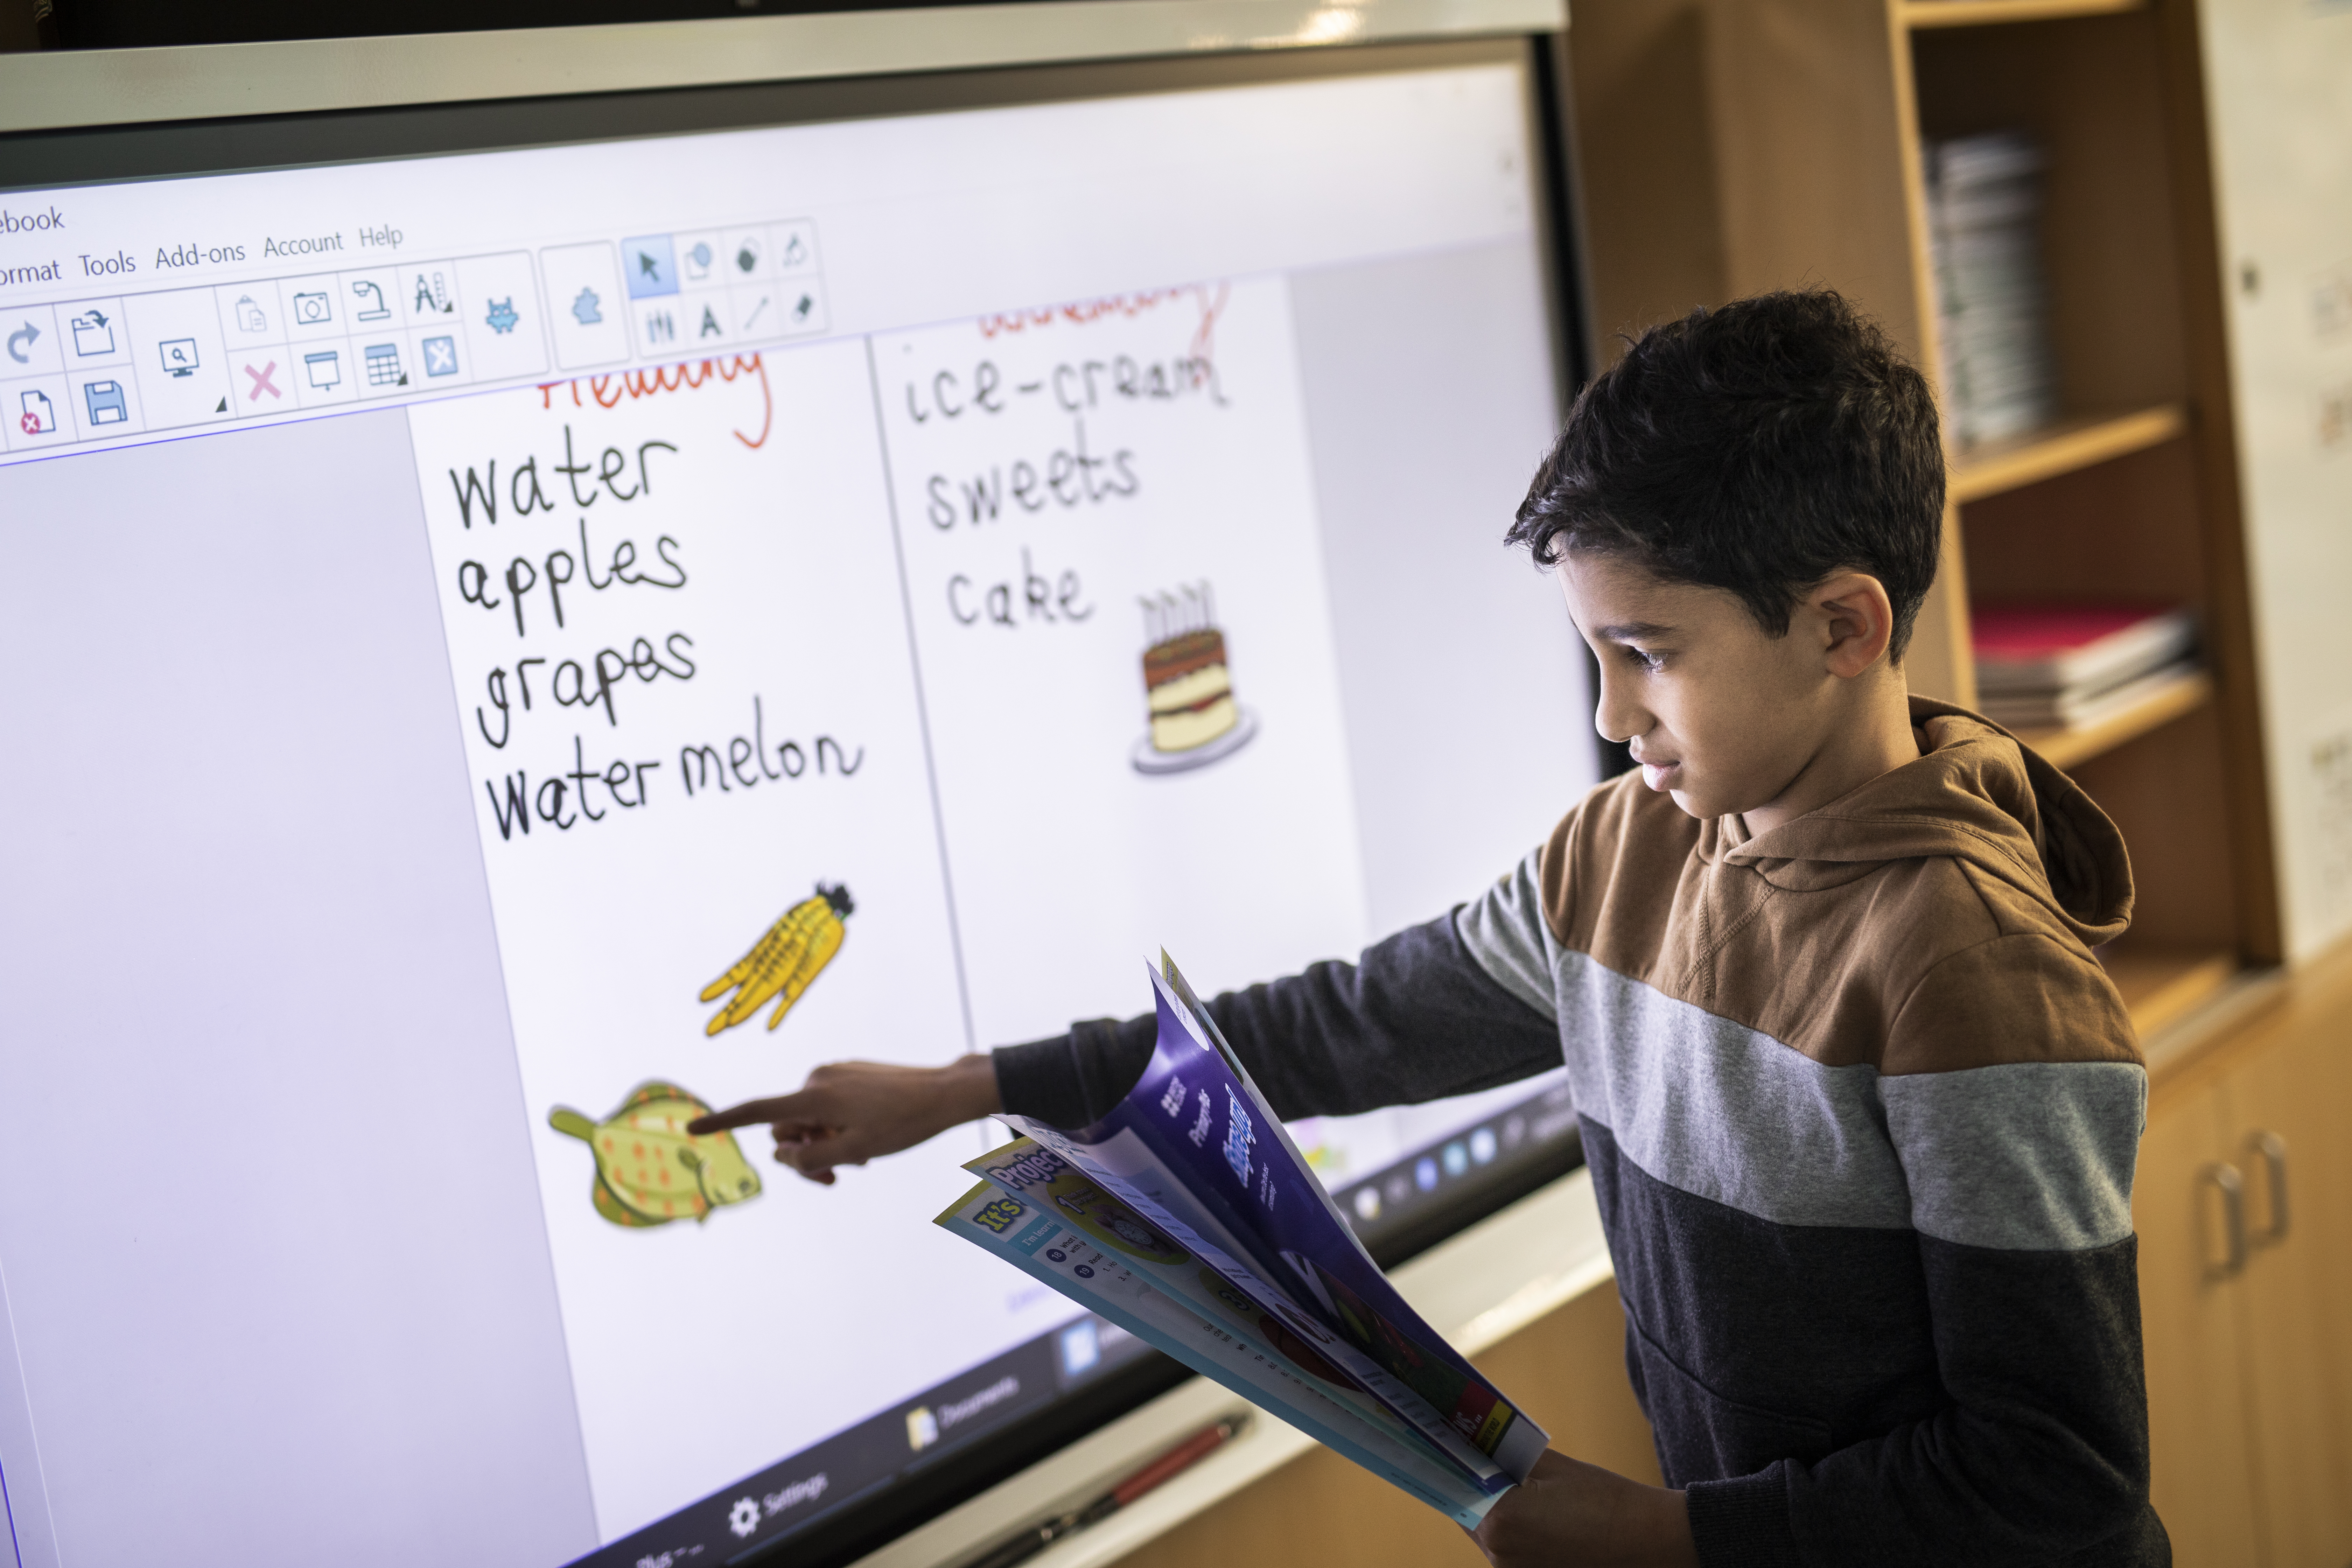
x=1990, y=13
x=2070, y=748
x=2161, y=983
x=2079, y=442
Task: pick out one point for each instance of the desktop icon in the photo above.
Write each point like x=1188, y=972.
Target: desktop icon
x=383, y=365
x=104, y=399
x=325, y=368
x=93, y=334
x=371, y=298
x=36, y=414
x=440, y=356
x=313, y=308
x=585, y=311
x=249, y=318
x=502, y=317
x=179, y=355
x=20, y=339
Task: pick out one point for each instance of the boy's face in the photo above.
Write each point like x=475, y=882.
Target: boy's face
x=1720, y=715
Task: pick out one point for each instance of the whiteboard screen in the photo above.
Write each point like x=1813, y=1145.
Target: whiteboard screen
x=496, y=619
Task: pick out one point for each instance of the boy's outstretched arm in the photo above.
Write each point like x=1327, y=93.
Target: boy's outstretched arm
x=850, y=1112
x=1420, y=1015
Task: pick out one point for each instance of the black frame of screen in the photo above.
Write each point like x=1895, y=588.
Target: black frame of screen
x=33, y=161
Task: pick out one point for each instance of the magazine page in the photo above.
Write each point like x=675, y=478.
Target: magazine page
x=1194, y=1148
x=1027, y=1170
x=1341, y=1274
x=1291, y=1383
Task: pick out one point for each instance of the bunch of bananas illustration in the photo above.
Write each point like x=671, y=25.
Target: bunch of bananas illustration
x=784, y=963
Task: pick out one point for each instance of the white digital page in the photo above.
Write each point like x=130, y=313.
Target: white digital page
x=604, y=629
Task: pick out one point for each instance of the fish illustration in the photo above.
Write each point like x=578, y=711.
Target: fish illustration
x=649, y=1171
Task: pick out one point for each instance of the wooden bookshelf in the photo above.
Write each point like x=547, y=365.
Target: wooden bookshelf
x=2081, y=442
x=2070, y=748
x=1730, y=147
x=2161, y=985
x=1992, y=13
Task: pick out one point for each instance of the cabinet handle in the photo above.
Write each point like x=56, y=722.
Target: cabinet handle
x=2223, y=1178
x=2271, y=1149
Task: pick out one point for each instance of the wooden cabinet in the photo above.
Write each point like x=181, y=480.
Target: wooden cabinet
x=2245, y=1208
x=2196, y=1412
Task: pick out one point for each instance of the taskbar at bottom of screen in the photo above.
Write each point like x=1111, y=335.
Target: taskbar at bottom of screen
x=792, y=1500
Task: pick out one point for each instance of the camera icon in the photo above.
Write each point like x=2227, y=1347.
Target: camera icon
x=312, y=308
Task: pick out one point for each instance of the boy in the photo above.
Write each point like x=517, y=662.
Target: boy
x=1861, y=1107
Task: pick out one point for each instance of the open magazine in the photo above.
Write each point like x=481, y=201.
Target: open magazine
x=1187, y=1217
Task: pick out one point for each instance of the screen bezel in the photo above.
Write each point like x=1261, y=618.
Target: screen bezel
x=103, y=154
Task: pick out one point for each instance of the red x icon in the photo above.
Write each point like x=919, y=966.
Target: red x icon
x=261, y=382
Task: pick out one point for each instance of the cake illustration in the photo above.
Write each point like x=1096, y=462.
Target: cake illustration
x=1187, y=684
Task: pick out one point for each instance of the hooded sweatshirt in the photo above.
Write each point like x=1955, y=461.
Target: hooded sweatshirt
x=1861, y=1110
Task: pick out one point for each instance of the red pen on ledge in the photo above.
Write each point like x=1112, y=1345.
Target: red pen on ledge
x=1164, y=1468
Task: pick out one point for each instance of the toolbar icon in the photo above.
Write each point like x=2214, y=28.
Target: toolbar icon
x=20, y=339
x=325, y=369
x=585, y=311
x=383, y=365
x=249, y=318
x=93, y=334
x=36, y=414
x=371, y=298
x=440, y=356
x=650, y=264
x=313, y=308
x=104, y=399
x=747, y=255
x=431, y=297
x=502, y=317
x=699, y=258
x=261, y=381
x=179, y=355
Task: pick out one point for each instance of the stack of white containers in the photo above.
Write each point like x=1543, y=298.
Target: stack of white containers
x=1984, y=213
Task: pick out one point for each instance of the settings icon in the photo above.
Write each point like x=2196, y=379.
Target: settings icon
x=744, y=1517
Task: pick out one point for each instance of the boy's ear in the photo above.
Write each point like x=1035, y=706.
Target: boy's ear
x=1856, y=621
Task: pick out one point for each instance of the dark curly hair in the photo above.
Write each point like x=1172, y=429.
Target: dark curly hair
x=1757, y=448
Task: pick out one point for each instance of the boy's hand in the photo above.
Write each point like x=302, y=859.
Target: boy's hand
x=1568, y=1514
x=850, y=1112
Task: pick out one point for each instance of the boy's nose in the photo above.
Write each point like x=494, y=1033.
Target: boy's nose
x=1617, y=719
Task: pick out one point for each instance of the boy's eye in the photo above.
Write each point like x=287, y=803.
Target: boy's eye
x=1641, y=657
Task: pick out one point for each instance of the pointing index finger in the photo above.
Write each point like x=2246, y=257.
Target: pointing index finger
x=753, y=1113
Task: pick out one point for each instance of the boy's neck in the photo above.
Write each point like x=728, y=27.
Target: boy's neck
x=1871, y=737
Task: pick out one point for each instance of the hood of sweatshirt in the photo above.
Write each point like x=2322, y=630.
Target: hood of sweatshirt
x=1976, y=794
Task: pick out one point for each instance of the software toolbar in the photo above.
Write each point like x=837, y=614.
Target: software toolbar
x=106, y=367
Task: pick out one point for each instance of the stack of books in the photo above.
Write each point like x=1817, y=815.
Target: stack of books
x=2068, y=665
x=1984, y=231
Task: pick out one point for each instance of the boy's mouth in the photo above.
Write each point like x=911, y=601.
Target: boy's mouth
x=1657, y=774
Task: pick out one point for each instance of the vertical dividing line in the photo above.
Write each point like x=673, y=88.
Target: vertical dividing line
x=922, y=706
